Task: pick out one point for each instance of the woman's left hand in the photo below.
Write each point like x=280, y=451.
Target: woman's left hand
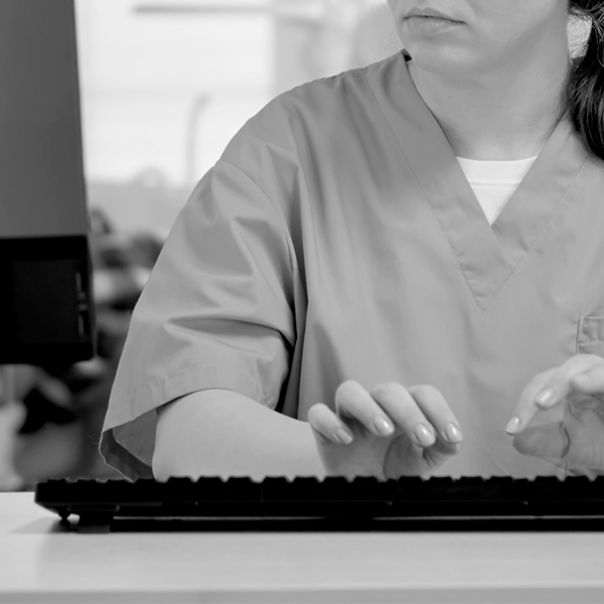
x=576, y=441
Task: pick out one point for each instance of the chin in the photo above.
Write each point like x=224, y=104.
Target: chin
x=444, y=60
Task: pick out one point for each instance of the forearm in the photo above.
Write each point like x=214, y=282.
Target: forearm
x=224, y=433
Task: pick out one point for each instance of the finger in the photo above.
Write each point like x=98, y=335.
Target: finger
x=405, y=412
x=436, y=409
x=590, y=381
x=353, y=401
x=549, y=441
x=554, y=387
x=328, y=425
x=526, y=408
x=561, y=383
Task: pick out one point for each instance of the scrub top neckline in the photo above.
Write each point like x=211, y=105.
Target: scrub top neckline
x=487, y=255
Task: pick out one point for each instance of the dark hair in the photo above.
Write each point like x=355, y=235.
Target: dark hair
x=586, y=82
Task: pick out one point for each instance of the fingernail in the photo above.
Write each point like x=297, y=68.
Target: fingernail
x=424, y=435
x=383, y=426
x=546, y=397
x=343, y=436
x=513, y=425
x=453, y=433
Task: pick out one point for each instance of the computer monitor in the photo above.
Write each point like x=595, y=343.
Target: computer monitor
x=46, y=310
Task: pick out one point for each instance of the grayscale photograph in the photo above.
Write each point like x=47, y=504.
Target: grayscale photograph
x=302, y=301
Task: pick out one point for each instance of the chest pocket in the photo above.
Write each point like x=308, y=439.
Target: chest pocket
x=590, y=335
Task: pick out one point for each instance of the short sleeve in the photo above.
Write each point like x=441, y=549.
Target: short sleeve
x=218, y=310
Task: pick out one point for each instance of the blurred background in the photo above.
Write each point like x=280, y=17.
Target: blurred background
x=164, y=86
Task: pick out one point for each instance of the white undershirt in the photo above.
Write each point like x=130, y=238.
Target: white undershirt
x=494, y=182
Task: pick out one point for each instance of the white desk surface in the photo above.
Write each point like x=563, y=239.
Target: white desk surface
x=41, y=562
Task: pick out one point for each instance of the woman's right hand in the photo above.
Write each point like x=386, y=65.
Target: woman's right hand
x=387, y=432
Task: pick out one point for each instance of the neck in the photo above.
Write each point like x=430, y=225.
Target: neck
x=498, y=114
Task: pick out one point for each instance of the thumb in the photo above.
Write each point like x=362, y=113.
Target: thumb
x=546, y=441
x=440, y=451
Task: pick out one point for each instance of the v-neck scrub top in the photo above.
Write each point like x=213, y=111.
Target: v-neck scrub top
x=494, y=182
x=337, y=238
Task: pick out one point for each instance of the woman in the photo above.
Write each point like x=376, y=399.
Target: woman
x=339, y=297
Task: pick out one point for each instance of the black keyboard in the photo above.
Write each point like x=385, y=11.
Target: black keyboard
x=467, y=503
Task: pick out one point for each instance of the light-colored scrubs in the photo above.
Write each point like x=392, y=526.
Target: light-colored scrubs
x=337, y=238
